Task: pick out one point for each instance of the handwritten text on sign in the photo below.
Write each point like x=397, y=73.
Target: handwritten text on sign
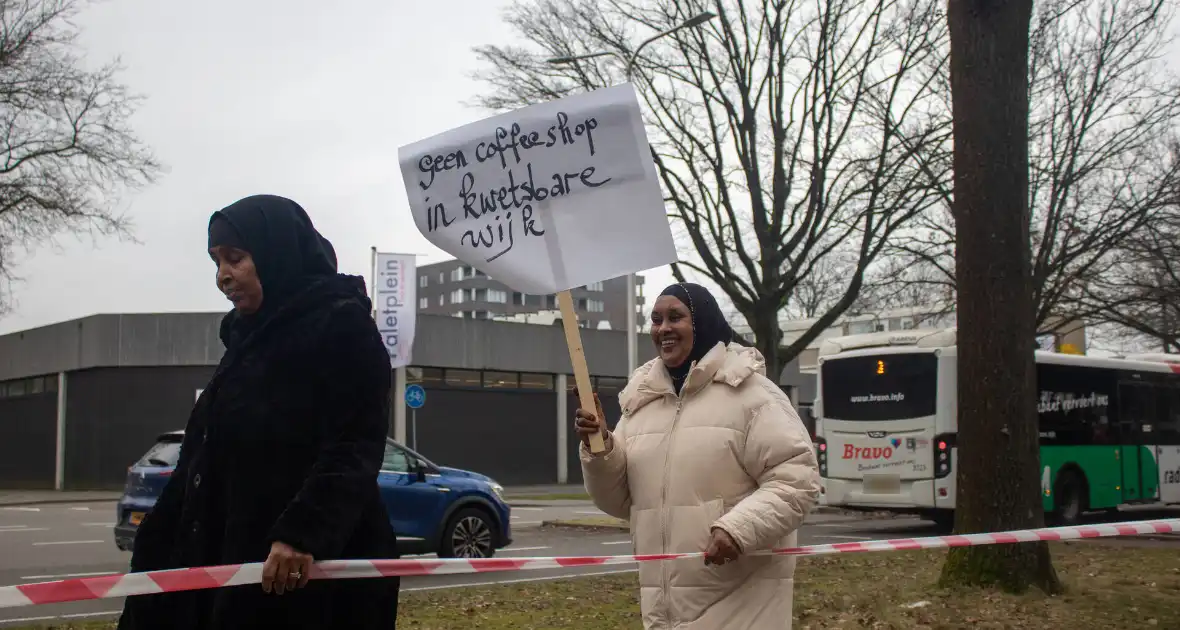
x=508, y=149
x=547, y=197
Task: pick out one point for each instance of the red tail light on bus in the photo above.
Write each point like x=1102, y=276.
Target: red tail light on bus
x=943, y=444
x=821, y=455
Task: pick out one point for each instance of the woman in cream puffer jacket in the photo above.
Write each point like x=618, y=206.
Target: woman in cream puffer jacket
x=709, y=456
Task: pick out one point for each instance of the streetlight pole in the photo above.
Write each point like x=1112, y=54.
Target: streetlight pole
x=632, y=299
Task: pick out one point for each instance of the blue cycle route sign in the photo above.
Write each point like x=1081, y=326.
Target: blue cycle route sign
x=415, y=396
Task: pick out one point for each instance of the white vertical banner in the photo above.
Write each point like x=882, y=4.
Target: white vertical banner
x=394, y=301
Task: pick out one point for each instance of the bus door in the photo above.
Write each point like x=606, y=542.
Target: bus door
x=1132, y=473
x=1136, y=407
x=1167, y=440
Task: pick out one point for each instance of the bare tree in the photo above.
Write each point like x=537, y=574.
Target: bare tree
x=817, y=292
x=996, y=407
x=1102, y=109
x=64, y=134
x=1140, y=290
x=784, y=131
x=890, y=284
x=1118, y=340
x=895, y=283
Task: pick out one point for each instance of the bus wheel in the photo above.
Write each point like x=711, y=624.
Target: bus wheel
x=1070, y=501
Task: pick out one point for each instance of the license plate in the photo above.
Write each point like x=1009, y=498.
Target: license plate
x=882, y=484
x=136, y=518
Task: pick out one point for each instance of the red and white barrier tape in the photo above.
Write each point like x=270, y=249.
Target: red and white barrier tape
x=148, y=583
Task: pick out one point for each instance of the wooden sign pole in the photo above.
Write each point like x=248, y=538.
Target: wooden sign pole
x=573, y=339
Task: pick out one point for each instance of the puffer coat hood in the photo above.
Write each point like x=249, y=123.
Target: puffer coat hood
x=728, y=452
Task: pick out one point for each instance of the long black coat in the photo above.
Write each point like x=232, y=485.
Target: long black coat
x=285, y=444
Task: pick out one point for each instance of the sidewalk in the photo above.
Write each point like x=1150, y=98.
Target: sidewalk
x=556, y=495
x=549, y=494
x=553, y=495
x=571, y=495
x=40, y=497
x=568, y=489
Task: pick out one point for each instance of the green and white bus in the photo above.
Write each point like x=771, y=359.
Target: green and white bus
x=887, y=424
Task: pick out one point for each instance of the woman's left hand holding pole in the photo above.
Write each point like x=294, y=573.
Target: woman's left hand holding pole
x=286, y=569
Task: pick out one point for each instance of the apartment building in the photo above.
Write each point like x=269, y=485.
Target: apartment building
x=457, y=289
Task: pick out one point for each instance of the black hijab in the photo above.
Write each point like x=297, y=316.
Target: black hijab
x=708, y=326
x=287, y=250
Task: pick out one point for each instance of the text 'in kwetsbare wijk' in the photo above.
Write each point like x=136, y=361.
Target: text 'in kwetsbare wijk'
x=500, y=203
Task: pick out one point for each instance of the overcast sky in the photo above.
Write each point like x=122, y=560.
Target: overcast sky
x=301, y=98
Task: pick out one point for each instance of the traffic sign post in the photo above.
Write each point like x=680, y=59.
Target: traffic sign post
x=415, y=399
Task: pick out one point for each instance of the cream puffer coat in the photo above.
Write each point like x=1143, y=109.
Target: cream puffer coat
x=729, y=452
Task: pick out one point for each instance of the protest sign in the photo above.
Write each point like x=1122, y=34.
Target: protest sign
x=546, y=198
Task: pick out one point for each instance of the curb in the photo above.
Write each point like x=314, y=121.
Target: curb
x=529, y=499
x=606, y=527
x=545, y=504
x=860, y=514
x=570, y=503
x=624, y=527
x=550, y=504
x=63, y=501
x=586, y=526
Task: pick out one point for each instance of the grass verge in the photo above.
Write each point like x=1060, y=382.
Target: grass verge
x=1109, y=586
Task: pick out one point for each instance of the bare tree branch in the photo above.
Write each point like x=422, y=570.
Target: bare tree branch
x=1103, y=108
x=66, y=149
x=788, y=134
x=1140, y=289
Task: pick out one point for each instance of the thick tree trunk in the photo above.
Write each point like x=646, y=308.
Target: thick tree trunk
x=998, y=486
x=768, y=336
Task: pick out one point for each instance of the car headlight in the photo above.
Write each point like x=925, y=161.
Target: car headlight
x=497, y=488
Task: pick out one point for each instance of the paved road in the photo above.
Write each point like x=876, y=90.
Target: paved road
x=50, y=542
x=60, y=541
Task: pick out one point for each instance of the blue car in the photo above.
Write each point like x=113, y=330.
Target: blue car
x=434, y=509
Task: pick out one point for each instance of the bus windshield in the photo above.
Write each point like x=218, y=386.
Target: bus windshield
x=880, y=387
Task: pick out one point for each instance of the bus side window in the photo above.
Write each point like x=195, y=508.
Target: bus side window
x=1166, y=430
x=1100, y=430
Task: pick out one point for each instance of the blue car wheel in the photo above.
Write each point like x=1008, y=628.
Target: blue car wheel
x=471, y=533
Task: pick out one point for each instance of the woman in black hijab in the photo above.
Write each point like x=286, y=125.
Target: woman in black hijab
x=281, y=453
x=706, y=436
x=708, y=329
